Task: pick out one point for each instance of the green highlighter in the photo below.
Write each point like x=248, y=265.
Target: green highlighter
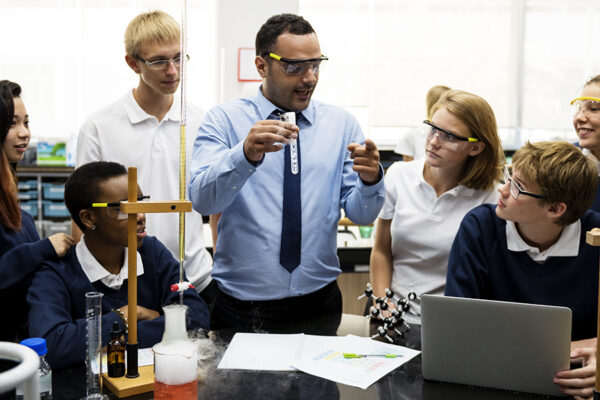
x=354, y=355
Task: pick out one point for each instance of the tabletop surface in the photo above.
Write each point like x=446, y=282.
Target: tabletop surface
x=406, y=382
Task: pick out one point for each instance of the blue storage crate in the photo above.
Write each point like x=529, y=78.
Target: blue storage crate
x=50, y=228
x=31, y=207
x=28, y=194
x=28, y=184
x=53, y=191
x=55, y=209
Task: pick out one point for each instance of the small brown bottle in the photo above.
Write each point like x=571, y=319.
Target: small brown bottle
x=115, y=350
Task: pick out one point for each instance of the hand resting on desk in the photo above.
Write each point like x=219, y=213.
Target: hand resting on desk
x=143, y=313
x=579, y=382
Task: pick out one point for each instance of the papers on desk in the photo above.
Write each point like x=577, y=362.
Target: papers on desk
x=316, y=355
x=328, y=361
x=262, y=352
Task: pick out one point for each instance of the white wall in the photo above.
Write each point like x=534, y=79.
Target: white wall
x=237, y=25
x=384, y=55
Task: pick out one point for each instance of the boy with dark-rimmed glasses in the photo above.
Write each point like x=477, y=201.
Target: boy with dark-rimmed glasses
x=530, y=247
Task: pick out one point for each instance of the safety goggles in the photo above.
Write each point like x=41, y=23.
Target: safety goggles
x=446, y=139
x=589, y=106
x=299, y=67
x=114, y=209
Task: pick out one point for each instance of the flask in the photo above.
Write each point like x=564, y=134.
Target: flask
x=116, y=353
x=175, y=359
x=39, y=346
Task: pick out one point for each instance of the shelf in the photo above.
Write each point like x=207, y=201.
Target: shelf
x=39, y=191
x=30, y=170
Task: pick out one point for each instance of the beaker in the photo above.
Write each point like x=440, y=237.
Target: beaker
x=175, y=359
x=93, y=358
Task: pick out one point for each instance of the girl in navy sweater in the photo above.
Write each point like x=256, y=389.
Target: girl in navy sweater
x=21, y=249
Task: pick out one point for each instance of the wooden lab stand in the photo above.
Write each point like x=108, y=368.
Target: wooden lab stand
x=593, y=238
x=137, y=380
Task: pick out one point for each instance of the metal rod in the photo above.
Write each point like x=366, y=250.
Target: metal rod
x=182, y=141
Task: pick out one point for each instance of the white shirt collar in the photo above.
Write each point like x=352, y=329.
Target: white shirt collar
x=136, y=114
x=566, y=246
x=96, y=272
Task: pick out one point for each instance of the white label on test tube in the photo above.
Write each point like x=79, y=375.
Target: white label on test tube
x=293, y=143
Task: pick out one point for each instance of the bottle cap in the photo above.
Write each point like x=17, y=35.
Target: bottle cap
x=116, y=332
x=36, y=344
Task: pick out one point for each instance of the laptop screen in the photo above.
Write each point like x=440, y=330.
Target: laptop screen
x=496, y=344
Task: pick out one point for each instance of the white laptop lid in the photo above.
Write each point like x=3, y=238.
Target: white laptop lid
x=497, y=344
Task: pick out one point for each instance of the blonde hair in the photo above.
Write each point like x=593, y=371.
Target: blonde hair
x=562, y=173
x=433, y=95
x=154, y=26
x=594, y=80
x=483, y=170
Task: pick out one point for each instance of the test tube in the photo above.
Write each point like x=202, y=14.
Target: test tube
x=93, y=359
x=293, y=143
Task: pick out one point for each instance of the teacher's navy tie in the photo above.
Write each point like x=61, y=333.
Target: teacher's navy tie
x=291, y=226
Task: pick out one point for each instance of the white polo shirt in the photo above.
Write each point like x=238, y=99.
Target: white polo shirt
x=423, y=228
x=123, y=132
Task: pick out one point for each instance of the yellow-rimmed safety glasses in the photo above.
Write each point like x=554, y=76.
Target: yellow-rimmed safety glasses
x=514, y=188
x=589, y=106
x=446, y=139
x=114, y=209
x=299, y=67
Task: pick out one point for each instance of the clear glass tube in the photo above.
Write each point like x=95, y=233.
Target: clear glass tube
x=293, y=143
x=93, y=359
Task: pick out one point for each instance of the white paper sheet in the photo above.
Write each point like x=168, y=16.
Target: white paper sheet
x=263, y=352
x=325, y=359
x=316, y=355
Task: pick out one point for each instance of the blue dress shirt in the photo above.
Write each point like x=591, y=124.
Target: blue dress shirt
x=246, y=261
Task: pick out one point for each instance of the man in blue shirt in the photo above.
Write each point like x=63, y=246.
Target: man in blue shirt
x=263, y=281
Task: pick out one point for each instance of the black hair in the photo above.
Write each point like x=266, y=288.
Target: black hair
x=83, y=186
x=10, y=212
x=8, y=91
x=267, y=35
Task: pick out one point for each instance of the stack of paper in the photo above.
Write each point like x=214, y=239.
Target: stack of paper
x=316, y=355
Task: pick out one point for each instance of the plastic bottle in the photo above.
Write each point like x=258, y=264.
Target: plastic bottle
x=116, y=353
x=39, y=346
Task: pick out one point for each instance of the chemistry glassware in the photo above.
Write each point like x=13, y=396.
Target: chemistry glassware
x=175, y=359
x=115, y=353
x=93, y=359
x=293, y=143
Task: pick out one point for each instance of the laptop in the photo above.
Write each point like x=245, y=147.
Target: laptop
x=494, y=344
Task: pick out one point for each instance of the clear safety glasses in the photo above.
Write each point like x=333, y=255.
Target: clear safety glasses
x=515, y=189
x=589, y=106
x=446, y=139
x=299, y=67
x=114, y=209
x=162, y=64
